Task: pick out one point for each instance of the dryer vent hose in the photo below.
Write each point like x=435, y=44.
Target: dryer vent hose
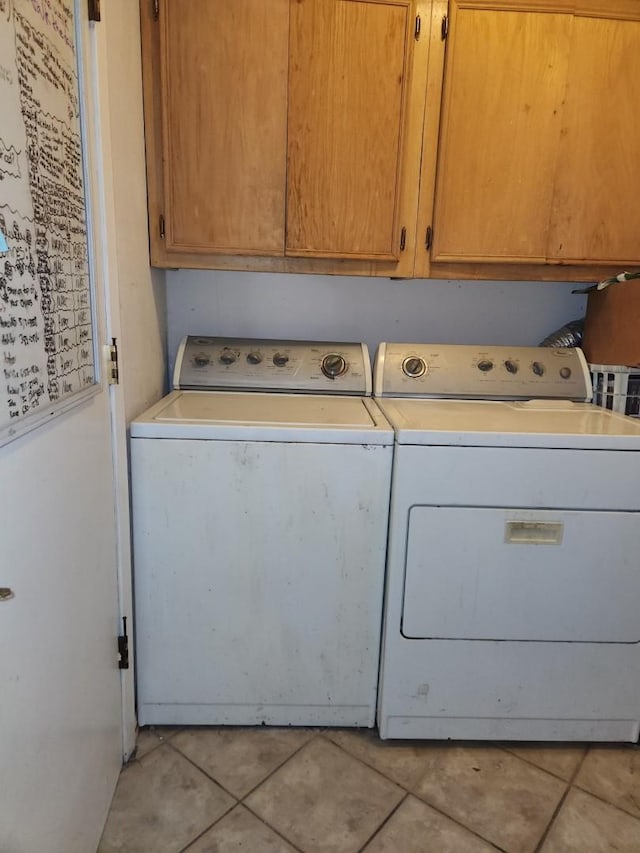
x=569, y=335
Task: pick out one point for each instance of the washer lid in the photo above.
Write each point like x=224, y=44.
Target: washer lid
x=237, y=416
x=527, y=423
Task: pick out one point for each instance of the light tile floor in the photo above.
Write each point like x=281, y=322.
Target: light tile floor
x=261, y=790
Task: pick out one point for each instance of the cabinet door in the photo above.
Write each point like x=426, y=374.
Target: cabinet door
x=348, y=75
x=223, y=85
x=596, y=209
x=504, y=86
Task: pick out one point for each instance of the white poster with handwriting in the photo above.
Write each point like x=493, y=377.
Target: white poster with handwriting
x=46, y=332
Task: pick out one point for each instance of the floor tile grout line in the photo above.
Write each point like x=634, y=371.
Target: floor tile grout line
x=606, y=802
x=279, y=766
x=253, y=814
x=273, y=828
x=134, y=755
x=204, y=772
x=561, y=803
x=240, y=799
x=367, y=764
x=204, y=831
x=458, y=823
x=412, y=792
x=384, y=822
x=537, y=766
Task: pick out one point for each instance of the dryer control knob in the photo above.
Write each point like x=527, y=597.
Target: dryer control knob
x=485, y=365
x=280, y=359
x=254, y=357
x=538, y=368
x=414, y=366
x=565, y=372
x=227, y=356
x=201, y=359
x=511, y=366
x=333, y=365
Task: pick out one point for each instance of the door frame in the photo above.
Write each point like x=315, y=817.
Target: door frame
x=102, y=213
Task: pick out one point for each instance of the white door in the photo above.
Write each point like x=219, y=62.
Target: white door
x=60, y=689
x=60, y=715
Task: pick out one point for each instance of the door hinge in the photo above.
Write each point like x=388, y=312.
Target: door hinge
x=94, y=10
x=403, y=239
x=156, y=9
x=123, y=646
x=444, y=30
x=416, y=32
x=112, y=363
x=428, y=239
x=161, y=226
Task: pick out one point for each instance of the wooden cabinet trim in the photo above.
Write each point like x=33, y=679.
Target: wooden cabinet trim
x=613, y=9
x=523, y=272
x=431, y=131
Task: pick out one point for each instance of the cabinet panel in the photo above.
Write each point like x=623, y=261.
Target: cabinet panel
x=596, y=213
x=223, y=69
x=504, y=88
x=348, y=76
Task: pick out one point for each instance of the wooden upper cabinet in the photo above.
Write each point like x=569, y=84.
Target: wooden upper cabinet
x=504, y=85
x=539, y=140
x=220, y=92
x=348, y=73
x=596, y=210
x=284, y=135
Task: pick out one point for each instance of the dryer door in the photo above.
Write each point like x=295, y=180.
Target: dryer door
x=522, y=574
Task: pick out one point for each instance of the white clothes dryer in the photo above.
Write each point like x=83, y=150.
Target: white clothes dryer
x=513, y=579
x=260, y=507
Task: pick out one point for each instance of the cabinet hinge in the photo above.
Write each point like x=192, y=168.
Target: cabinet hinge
x=123, y=646
x=156, y=9
x=403, y=239
x=428, y=238
x=444, y=29
x=416, y=32
x=112, y=362
x=94, y=10
x=161, y=226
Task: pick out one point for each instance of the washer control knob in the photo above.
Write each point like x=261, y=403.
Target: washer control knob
x=485, y=365
x=333, y=365
x=227, y=356
x=511, y=366
x=538, y=368
x=414, y=366
x=565, y=372
x=201, y=359
x=254, y=357
x=280, y=359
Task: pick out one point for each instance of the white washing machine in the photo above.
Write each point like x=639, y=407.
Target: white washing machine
x=513, y=577
x=260, y=508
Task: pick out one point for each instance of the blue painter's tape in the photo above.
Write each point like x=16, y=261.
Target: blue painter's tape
x=3, y=243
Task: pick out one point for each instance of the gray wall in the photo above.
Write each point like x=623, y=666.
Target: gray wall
x=367, y=309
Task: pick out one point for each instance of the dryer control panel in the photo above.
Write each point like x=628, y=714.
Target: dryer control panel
x=259, y=364
x=481, y=372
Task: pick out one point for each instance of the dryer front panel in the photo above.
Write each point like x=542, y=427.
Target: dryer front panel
x=493, y=573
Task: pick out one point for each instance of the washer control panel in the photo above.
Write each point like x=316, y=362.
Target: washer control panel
x=312, y=367
x=498, y=373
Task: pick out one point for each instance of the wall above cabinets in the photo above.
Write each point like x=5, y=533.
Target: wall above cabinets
x=399, y=138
